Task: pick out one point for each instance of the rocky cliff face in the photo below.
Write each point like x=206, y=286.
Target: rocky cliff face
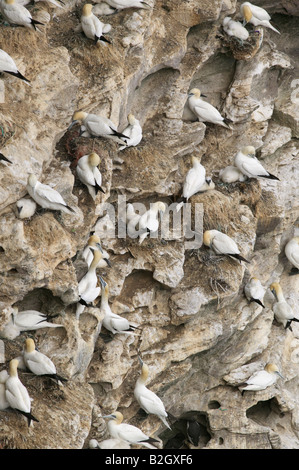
x=198, y=334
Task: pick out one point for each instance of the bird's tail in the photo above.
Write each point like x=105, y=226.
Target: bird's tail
x=164, y=420
x=239, y=257
x=181, y=201
x=35, y=22
x=56, y=377
x=119, y=134
x=19, y=75
x=272, y=27
x=227, y=123
x=294, y=271
x=29, y=417
x=269, y=176
x=102, y=38
x=99, y=188
x=258, y=301
x=2, y=157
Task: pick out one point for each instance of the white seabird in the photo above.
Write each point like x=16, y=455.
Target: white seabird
x=292, y=253
x=132, y=219
x=204, y=111
x=97, y=126
x=194, y=180
x=87, y=287
x=3, y=401
x=249, y=165
x=283, y=312
x=235, y=29
x=126, y=432
x=17, y=14
x=16, y=393
x=121, y=4
x=94, y=243
x=231, y=174
x=254, y=291
x=38, y=363
x=28, y=320
x=262, y=379
x=7, y=65
x=149, y=221
x=256, y=16
x=222, y=244
x=111, y=321
x=133, y=131
x=89, y=174
x=45, y=196
x=26, y=208
x=50, y=2
x=93, y=28
x=148, y=400
x=109, y=444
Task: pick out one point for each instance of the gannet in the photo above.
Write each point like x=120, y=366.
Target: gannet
x=38, y=363
x=126, y=432
x=148, y=400
x=194, y=180
x=256, y=16
x=231, y=174
x=7, y=65
x=254, y=291
x=2, y=157
x=283, y=312
x=92, y=27
x=109, y=444
x=97, y=126
x=28, y=320
x=133, y=131
x=132, y=219
x=204, y=111
x=17, y=14
x=51, y=2
x=94, y=243
x=249, y=165
x=262, y=379
x=26, y=207
x=149, y=221
x=17, y=394
x=111, y=321
x=3, y=401
x=121, y=4
x=45, y=196
x=235, y=29
x=222, y=244
x=89, y=174
x=87, y=287
x=292, y=253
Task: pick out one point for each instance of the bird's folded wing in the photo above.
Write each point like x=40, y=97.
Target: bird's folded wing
x=254, y=167
x=50, y=194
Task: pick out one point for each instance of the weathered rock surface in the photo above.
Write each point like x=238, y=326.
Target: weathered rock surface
x=196, y=330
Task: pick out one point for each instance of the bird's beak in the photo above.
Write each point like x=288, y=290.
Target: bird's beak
x=205, y=96
x=278, y=373
x=72, y=124
x=19, y=209
x=103, y=283
x=99, y=247
x=108, y=262
x=140, y=360
x=108, y=416
x=190, y=94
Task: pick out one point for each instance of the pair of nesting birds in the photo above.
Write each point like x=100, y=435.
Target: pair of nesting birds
x=15, y=13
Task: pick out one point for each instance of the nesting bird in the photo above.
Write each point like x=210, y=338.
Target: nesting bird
x=111, y=321
x=50, y=2
x=283, y=312
x=256, y=16
x=94, y=243
x=38, y=363
x=126, y=432
x=122, y=4
x=292, y=253
x=132, y=219
x=109, y=444
x=148, y=400
x=28, y=320
x=7, y=65
x=92, y=27
x=222, y=244
x=26, y=208
x=149, y=221
x=133, y=131
x=3, y=401
x=249, y=165
x=231, y=174
x=16, y=393
x=254, y=291
x=17, y=14
x=87, y=287
x=262, y=379
x=45, y=196
x=89, y=174
x=195, y=179
x=205, y=112
x=235, y=29
x=97, y=126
